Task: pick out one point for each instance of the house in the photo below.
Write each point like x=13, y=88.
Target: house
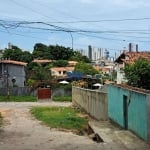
x=12, y=73
x=128, y=58
x=72, y=63
x=61, y=71
x=130, y=108
x=48, y=61
x=43, y=61
x=105, y=69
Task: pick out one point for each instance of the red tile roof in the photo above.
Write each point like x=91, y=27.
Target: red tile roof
x=13, y=62
x=130, y=57
x=42, y=61
x=62, y=68
x=73, y=63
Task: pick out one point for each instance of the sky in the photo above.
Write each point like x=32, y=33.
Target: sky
x=107, y=24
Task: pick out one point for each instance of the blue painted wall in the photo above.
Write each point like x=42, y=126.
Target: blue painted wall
x=137, y=109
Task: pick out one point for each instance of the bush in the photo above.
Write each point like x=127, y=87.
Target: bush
x=138, y=73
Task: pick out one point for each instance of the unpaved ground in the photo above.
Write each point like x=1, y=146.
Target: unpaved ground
x=21, y=131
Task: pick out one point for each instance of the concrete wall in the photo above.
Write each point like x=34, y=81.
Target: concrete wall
x=148, y=118
x=61, y=92
x=93, y=102
x=16, y=71
x=137, y=109
x=18, y=91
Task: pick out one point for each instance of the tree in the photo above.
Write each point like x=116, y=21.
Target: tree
x=31, y=65
x=40, y=73
x=77, y=56
x=52, y=52
x=138, y=73
x=26, y=56
x=60, y=63
x=86, y=69
x=59, y=52
x=17, y=54
x=13, y=54
x=40, y=51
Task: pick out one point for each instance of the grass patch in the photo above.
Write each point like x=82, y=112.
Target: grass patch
x=61, y=117
x=18, y=99
x=62, y=98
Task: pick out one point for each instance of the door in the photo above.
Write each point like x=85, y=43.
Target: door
x=125, y=111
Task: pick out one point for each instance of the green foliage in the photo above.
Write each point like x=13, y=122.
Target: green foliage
x=60, y=63
x=26, y=56
x=138, y=74
x=40, y=73
x=41, y=51
x=36, y=71
x=77, y=56
x=114, y=75
x=51, y=52
x=17, y=54
x=86, y=69
x=13, y=54
x=30, y=82
x=31, y=65
x=60, y=117
x=18, y=99
x=62, y=98
x=85, y=59
x=60, y=52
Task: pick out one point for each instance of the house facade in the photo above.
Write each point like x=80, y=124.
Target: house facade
x=128, y=58
x=12, y=73
x=61, y=71
x=130, y=108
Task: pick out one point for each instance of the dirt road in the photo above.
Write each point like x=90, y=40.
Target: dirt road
x=21, y=131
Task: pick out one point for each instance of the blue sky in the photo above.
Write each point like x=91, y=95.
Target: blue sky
x=113, y=35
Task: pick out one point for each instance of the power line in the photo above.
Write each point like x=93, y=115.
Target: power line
x=67, y=30
x=22, y=35
x=105, y=20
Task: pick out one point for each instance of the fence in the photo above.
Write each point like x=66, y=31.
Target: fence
x=61, y=92
x=18, y=91
x=93, y=102
x=22, y=91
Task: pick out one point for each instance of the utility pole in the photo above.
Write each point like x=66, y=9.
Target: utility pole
x=71, y=40
x=6, y=74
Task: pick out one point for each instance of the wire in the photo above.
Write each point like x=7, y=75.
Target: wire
x=68, y=30
x=105, y=20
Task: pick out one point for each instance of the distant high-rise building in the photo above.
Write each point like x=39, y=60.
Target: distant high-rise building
x=90, y=52
x=133, y=47
x=106, y=54
x=9, y=45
